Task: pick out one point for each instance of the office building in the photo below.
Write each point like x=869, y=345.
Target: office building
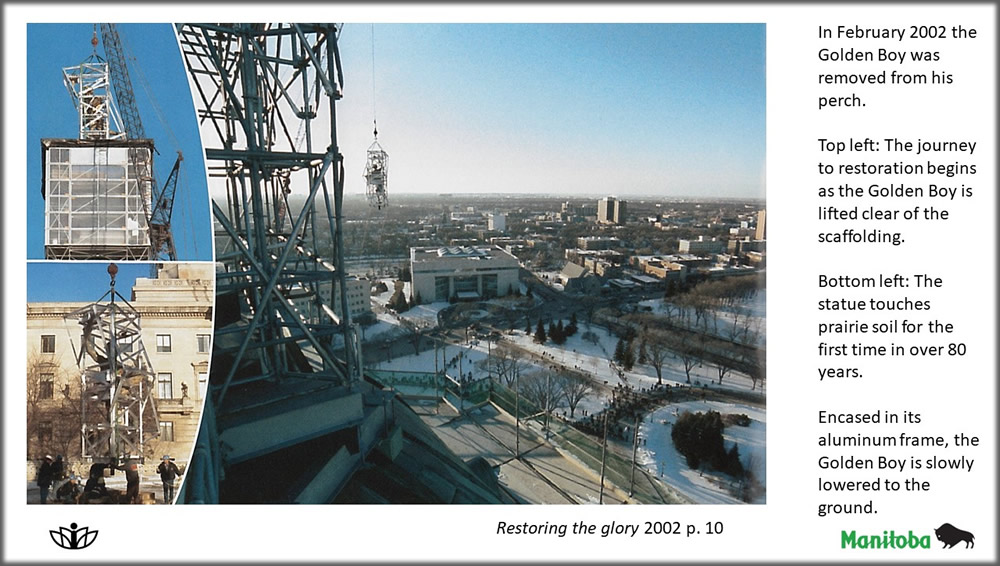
x=462, y=273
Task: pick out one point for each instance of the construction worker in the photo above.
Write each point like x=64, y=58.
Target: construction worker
x=131, y=469
x=95, y=488
x=168, y=472
x=44, y=479
x=58, y=469
x=70, y=491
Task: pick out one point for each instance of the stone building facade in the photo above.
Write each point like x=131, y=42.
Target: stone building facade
x=175, y=309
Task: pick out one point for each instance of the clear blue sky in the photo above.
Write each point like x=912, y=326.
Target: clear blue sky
x=51, y=115
x=80, y=281
x=658, y=109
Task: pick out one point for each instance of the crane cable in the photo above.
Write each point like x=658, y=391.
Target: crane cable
x=186, y=209
x=149, y=93
x=374, y=113
x=368, y=214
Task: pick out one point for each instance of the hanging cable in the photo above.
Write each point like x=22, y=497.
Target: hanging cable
x=149, y=92
x=374, y=113
x=376, y=169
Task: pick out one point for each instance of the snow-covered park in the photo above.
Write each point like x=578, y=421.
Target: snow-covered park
x=660, y=457
x=588, y=352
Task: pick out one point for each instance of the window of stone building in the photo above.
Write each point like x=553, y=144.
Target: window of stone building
x=165, y=385
x=202, y=384
x=46, y=382
x=166, y=431
x=163, y=344
x=48, y=343
x=45, y=431
x=204, y=343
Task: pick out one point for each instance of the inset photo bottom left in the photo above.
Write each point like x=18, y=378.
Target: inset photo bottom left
x=117, y=371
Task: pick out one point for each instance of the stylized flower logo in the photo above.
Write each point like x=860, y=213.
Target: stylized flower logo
x=73, y=538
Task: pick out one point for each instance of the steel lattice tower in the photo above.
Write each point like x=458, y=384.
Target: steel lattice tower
x=118, y=410
x=265, y=95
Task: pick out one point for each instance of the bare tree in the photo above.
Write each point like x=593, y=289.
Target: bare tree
x=751, y=330
x=722, y=370
x=507, y=364
x=702, y=311
x=575, y=388
x=742, y=327
x=685, y=308
x=755, y=376
x=670, y=310
x=53, y=408
x=589, y=304
x=414, y=332
x=686, y=349
x=542, y=389
x=657, y=353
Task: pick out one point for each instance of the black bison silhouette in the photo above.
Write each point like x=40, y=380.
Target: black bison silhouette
x=951, y=536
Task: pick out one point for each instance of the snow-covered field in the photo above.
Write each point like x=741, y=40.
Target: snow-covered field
x=727, y=317
x=585, y=356
x=660, y=457
x=581, y=354
x=453, y=357
x=591, y=357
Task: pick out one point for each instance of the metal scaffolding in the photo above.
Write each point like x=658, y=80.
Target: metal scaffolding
x=90, y=88
x=376, y=176
x=265, y=95
x=118, y=411
x=266, y=98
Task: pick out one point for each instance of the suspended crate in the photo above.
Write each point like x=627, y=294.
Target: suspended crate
x=376, y=174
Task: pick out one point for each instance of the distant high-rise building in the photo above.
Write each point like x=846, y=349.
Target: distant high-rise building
x=611, y=211
x=761, y=233
x=605, y=210
x=497, y=222
x=621, y=211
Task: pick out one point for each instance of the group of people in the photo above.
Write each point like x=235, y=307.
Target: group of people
x=52, y=473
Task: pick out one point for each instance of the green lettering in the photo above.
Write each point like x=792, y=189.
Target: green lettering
x=850, y=539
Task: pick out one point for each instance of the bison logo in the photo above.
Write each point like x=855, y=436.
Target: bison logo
x=951, y=536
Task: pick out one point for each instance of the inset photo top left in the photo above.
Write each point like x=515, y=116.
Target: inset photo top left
x=117, y=171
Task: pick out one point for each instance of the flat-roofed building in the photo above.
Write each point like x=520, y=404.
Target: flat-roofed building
x=497, y=222
x=598, y=242
x=462, y=272
x=701, y=246
x=359, y=294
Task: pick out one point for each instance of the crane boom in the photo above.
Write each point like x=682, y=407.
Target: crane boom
x=160, y=233
x=121, y=82
x=158, y=213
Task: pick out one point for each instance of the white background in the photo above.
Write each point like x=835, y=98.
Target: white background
x=953, y=395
